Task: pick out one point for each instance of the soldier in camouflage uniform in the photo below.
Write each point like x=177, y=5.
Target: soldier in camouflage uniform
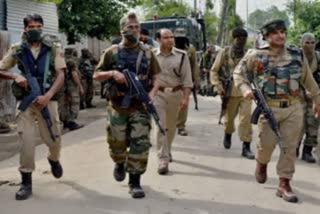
x=279, y=71
x=128, y=126
x=69, y=101
x=182, y=42
x=206, y=63
x=86, y=68
x=44, y=61
x=222, y=71
x=311, y=124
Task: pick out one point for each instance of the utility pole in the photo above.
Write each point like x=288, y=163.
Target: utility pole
x=195, y=6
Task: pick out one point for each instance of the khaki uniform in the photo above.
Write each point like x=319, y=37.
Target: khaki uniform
x=223, y=67
x=289, y=117
x=167, y=101
x=183, y=115
x=29, y=121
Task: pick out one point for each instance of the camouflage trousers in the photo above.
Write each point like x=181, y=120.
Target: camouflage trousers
x=311, y=124
x=128, y=136
x=69, y=105
x=88, y=88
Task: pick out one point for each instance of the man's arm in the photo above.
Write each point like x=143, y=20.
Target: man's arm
x=214, y=72
x=186, y=76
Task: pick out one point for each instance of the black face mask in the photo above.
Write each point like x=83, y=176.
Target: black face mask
x=34, y=35
x=131, y=38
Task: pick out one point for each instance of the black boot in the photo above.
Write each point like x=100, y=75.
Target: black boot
x=119, y=172
x=134, y=184
x=90, y=105
x=25, y=190
x=74, y=126
x=307, y=154
x=246, y=151
x=81, y=106
x=298, y=150
x=56, y=168
x=227, y=141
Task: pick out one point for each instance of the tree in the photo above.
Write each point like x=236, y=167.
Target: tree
x=163, y=8
x=99, y=18
x=211, y=22
x=307, y=19
x=259, y=17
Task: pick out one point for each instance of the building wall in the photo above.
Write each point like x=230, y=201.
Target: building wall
x=18, y=9
x=2, y=15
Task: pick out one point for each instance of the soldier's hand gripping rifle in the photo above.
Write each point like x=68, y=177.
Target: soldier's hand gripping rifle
x=226, y=84
x=263, y=108
x=34, y=92
x=137, y=90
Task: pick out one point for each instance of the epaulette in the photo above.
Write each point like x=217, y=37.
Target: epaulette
x=144, y=47
x=180, y=51
x=51, y=40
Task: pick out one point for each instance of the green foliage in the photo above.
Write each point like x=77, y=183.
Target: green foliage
x=307, y=19
x=211, y=22
x=164, y=8
x=257, y=18
x=54, y=1
x=99, y=18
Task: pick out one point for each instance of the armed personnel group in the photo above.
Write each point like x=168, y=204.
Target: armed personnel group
x=140, y=81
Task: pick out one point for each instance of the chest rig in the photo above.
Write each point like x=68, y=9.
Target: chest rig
x=42, y=67
x=281, y=79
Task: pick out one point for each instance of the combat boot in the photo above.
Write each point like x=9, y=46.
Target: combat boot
x=246, y=151
x=56, y=168
x=261, y=172
x=25, y=190
x=227, y=141
x=4, y=128
x=307, y=154
x=90, y=105
x=182, y=132
x=136, y=190
x=119, y=172
x=73, y=126
x=284, y=191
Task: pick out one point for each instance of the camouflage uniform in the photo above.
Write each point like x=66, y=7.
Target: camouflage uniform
x=279, y=76
x=206, y=63
x=86, y=68
x=129, y=127
x=69, y=101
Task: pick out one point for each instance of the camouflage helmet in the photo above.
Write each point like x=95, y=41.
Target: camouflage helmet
x=180, y=32
x=273, y=25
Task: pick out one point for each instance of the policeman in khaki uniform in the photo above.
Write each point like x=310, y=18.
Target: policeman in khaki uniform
x=206, y=63
x=182, y=42
x=33, y=52
x=279, y=71
x=311, y=123
x=175, y=82
x=128, y=126
x=221, y=71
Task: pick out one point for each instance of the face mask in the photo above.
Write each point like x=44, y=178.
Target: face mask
x=130, y=36
x=34, y=35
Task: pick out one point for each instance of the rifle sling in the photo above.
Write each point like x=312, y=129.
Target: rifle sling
x=180, y=67
x=46, y=70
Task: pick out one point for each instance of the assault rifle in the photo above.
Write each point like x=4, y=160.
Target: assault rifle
x=195, y=98
x=226, y=84
x=34, y=92
x=263, y=108
x=136, y=90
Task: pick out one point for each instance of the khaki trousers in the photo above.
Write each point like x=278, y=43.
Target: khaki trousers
x=290, y=121
x=29, y=124
x=167, y=105
x=182, y=118
x=243, y=107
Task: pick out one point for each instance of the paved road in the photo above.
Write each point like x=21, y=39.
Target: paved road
x=204, y=177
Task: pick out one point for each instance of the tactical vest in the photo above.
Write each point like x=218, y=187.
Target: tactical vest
x=316, y=74
x=283, y=79
x=133, y=59
x=37, y=67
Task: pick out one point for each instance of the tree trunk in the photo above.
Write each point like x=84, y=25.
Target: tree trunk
x=223, y=22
